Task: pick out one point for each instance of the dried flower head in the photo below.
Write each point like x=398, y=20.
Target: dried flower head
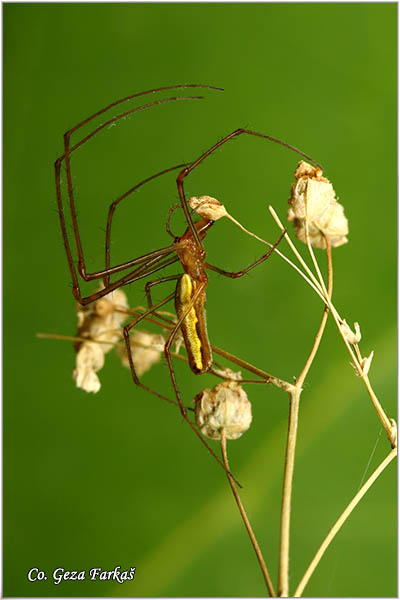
x=313, y=202
x=89, y=360
x=353, y=337
x=226, y=407
x=365, y=365
x=100, y=322
x=208, y=207
x=146, y=350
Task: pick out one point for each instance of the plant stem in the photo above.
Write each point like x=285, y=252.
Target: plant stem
x=321, y=329
x=283, y=575
x=294, y=404
x=317, y=285
x=386, y=422
x=249, y=367
x=246, y=521
x=342, y=519
x=285, y=258
x=69, y=338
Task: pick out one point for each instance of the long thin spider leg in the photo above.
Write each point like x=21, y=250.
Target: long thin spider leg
x=108, y=271
x=75, y=282
x=160, y=253
x=185, y=172
x=151, y=284
x=116, y=202
x=236, y=274
x=167, y=352
x=137, y=95
x=127, y=329
x=66, y=157
x=69, y=150
x=148, y=269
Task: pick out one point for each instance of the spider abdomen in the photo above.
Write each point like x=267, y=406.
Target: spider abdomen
x=194, y=327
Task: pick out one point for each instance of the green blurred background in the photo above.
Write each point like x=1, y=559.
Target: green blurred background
x=117, y=478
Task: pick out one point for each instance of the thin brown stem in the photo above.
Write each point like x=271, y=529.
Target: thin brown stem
x=246, y=521
x=321, y=329
x=294, y=404
x=249, y=367
x=283, y=575
x=320, y=289
x=267, y=377
x=70, y=338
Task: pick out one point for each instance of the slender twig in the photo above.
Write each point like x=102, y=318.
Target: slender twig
x=297, y=254
x=285, y=385
x=342, y=519
x=322, y=292
x=265, y=377
x=285, y=258
x=246, y=521
x=283, y=574
x=321, y=329
x=294, y=404
x=70, y=338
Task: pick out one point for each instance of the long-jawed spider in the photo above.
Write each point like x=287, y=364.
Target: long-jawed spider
x=187, y=248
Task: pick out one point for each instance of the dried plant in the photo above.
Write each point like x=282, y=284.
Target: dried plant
x=224, y=413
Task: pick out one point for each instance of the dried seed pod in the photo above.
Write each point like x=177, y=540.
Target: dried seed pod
x=100, y=321
x=353, y=337
x=89, y=360
x=208, y=207
x=226, y=407
x=313, y=199
x=366, y=363
x=146, y=350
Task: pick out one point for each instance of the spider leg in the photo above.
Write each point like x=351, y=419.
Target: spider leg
x=151, y=284
x=66, y=157
x=129, y=278
x=69, y=150
x=127, y=329
x=149, y=267
x=151, y=310
x=167, y=352
x=158, y=254
x=236, y=274
x=137, y=95
x=187, y=170
x=114, y=205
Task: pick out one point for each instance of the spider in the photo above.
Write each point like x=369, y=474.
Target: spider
x=188, y=249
